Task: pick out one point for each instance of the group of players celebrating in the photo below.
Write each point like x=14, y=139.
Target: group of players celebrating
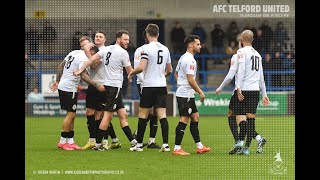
x=102, y=68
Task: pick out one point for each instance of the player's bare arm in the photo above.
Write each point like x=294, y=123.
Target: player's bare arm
x=176, y=75
x=86, y=64
x=137, y=70
x=95, y=64
x=168, y=69
x=86, y=50
x=129, y=69
x=195, y=86
x=86, y=78
x=54, y=86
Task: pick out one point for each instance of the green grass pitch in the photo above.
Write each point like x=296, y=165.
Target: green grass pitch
x=43, y=160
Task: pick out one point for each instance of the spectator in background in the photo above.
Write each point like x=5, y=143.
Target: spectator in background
x=267, y=65
x=281, y=36
x=35, y=96
x=288, y=63
x=217, y=37
x=233, y=32
x=258, y=42
x=177, y=38
x=49, y=35
x=32, y=37
x=199, y=31
x=267, y=35
x=75, y=40
x=232, y=48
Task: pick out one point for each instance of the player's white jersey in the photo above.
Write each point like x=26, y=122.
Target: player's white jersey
x=186, y=65
x=253, y=67
x=114, y=58
x=158, y=56
x=74, y=61
x=98, y=74
x=136, y=62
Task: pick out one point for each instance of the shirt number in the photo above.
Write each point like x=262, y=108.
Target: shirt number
x=107, y=58
x=255, y=63
x=160, y=58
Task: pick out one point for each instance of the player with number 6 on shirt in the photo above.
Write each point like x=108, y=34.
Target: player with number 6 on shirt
x=155, y=64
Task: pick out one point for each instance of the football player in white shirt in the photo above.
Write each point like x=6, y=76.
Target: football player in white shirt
x=114, y=58
x=152, y=114
x=186, y=74
x=231, y=117
x=155, y=64
x=67, y=84
x=247, y=89
x=95, y=100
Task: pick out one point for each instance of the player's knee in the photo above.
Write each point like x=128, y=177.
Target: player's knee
x=250, y=115
x=71, y=115
x=195, y=117
x=123, y=116
x=89, y=112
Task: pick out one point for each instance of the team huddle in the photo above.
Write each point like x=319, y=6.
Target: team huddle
x=102, y=68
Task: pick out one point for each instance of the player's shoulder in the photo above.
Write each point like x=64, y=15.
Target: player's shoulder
x=163, y=46
x=118, y=48
x=139, y=49
x=241, y=50
x=73, y=53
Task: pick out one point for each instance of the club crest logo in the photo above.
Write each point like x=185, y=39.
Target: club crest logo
x=278, y=167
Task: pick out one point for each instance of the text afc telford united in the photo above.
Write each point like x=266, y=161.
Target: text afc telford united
x=254, y=10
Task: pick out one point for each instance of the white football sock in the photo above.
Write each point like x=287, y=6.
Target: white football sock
x=115, y=140
x=63, y=140
x=199, y=145
x=70, y=140
x=165, y=145
x=151, y=140
x=258, y=137
x=177, y=147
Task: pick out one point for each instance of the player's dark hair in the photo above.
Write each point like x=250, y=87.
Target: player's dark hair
x=152, y=30
x=120, y=32
x=189, y=39
x=85, y=38
x=95, y=49
x=102, y=32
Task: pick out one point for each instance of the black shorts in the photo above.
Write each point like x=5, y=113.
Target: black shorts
x=186, y=108
x=139, y=90
x=95, y=99
x=154, y=97
x=113, y=100
x=117, y=105
x=248, y=105
x=68, y=100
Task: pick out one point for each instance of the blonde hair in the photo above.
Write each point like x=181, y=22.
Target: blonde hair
x=247, y=35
